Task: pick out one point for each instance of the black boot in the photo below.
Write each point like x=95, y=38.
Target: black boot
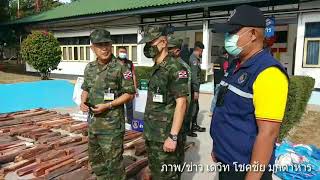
x=196, y=127
x=192, y=134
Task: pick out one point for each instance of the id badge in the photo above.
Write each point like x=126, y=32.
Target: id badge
x=158, y=98
x=108, y=96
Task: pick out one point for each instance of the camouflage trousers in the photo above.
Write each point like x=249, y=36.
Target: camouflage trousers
x=165, y=165
x=105, y=156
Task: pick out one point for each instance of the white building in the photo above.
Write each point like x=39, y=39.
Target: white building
x=297, y=29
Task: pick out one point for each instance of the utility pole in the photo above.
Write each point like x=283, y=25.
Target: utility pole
x=38, y=5
x=18, y=12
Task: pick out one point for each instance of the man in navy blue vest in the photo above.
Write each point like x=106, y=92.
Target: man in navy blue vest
x=251, y=100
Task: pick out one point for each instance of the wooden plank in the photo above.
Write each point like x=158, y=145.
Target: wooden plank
x=51, y=134
x=66, y=141
x=18, y=165
x=31, y=114
x=83, y=161
x=60, y=168
x=132, y=136
x=9, y=157
x=137, y=166
x=10, y=144
x=71, y=145
x=27, y=169
x=77, y=150
x=52, y=139
x=77, y=127
x=51, y=155
x=78, y=174
x=81, y=155
x=40, y=170
x=32, y=152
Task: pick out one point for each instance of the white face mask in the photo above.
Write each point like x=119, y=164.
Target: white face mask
x=123, y=55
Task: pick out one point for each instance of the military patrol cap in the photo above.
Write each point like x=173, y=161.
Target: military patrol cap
x=152, y=33
x=174, y=42
x=100, y=36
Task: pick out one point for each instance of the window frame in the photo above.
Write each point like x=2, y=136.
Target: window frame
x=306, y=40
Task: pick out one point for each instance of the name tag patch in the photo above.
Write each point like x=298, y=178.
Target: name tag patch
x=158, y=98
x=108, y=96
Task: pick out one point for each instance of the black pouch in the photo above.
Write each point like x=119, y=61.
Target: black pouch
x=221, y=94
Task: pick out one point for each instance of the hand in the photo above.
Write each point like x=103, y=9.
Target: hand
x=83, y=107
x=213, y=157
x=196, y=95
x=100, y=108
x=169, y=145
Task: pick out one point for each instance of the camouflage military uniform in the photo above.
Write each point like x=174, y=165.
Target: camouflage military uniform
x=176, y=43
x=170, y=80
x=106, y=130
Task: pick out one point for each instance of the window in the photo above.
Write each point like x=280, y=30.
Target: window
x=312, y=45
x=124, y=39
x=312, y=30
x=311, y=52
x=75, y=48
x=85, y=40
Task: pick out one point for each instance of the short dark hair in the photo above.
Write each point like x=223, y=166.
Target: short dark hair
x=198, y=44
x=122, y=47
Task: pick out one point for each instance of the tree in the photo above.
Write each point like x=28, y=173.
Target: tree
x=29, y=7
x=4, y=10
x=42, y=51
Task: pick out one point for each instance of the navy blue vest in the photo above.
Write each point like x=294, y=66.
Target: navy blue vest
x=233, y=126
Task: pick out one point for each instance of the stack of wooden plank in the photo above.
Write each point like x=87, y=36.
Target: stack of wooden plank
x=45, y=144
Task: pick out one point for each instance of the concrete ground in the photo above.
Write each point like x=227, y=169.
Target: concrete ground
x=198, y=157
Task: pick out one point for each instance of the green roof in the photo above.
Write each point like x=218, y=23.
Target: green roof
x=93, y=7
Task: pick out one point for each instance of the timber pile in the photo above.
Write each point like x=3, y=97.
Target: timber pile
x=43, y=144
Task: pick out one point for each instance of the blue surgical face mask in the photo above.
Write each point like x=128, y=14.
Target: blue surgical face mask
x=122, y=55
x=230, y=43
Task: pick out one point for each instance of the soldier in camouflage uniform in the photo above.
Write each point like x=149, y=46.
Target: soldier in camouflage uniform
x=174, y=49
x=166, y=105
x=107, y=86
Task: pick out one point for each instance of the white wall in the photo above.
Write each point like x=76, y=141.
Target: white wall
x=287, y=58
x=77, y=68
x=299, y=70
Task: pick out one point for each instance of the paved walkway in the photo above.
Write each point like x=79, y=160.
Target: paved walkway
x=199, y=156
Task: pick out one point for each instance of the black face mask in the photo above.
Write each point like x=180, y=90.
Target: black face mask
x=150, y=51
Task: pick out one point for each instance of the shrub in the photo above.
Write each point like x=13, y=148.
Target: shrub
x=42, y=51
x=300, y=89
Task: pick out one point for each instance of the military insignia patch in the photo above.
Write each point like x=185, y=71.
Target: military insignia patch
x=183, y=74
x=195, y=63
x=127, y=75
x=243, y=78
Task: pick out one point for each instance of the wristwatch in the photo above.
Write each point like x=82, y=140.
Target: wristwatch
x=173, y=137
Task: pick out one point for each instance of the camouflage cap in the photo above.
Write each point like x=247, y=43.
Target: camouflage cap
x=151, y=33
x=100, y=36
x=174, y=42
